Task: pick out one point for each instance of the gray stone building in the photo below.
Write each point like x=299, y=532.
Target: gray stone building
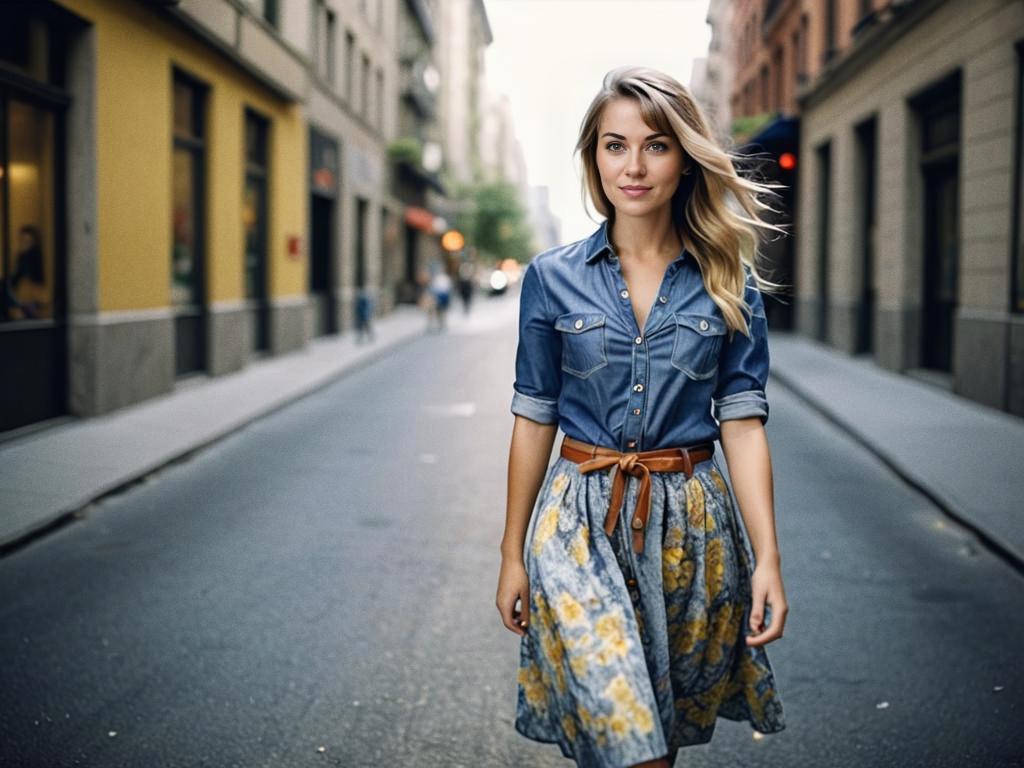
x=909, y=223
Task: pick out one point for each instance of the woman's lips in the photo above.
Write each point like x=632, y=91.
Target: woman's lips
x=635, y=191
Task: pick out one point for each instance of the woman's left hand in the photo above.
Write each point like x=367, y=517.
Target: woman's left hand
x=766, y=587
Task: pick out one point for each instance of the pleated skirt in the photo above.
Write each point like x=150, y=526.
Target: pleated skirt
x=629, y=657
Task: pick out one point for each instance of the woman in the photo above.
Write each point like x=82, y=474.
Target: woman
x=640, y=615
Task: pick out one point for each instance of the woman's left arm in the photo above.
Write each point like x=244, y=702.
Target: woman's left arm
x=745, y=444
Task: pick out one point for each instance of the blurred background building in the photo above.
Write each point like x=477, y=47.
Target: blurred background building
x=190, y=185
x=898, y=126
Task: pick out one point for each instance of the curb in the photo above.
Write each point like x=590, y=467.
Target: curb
x=989, y=540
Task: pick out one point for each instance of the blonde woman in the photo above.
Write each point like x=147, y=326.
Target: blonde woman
x=642, y=616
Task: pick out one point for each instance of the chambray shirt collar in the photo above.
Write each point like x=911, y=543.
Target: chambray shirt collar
x=599, y=245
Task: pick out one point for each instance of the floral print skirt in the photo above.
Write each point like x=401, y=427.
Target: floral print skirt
x=628, y=657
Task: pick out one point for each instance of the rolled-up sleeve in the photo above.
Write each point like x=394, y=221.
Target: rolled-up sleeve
x=743, y=367
x=539, y=354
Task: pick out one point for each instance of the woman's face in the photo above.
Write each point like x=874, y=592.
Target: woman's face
x=640, y=167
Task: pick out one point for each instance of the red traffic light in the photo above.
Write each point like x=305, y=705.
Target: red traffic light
x=787, y=161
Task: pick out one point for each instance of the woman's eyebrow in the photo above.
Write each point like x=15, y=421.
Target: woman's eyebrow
x=619, y=136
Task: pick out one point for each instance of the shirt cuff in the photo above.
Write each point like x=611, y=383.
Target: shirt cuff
x=741, y=405
x=537, y=409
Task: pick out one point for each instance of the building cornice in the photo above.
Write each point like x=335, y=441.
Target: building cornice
x=902, y=17
x=231, y=27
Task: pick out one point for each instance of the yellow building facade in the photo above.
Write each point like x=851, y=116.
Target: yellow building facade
x=171, y=185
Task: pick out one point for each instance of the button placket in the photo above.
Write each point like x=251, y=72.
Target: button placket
x=633, y=431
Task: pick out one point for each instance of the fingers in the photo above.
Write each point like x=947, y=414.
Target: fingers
x=757, y=612
x=513, y=619
x=763, y=635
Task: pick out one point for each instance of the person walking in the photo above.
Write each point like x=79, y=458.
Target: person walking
x=441, y=288
x=364, y=314
x=467, y=274
x=641, y=614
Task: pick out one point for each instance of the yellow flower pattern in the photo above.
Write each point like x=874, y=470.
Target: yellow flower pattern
x=588, y=644
x=546, y=527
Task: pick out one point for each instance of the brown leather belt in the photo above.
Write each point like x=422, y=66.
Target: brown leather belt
x=594, y=457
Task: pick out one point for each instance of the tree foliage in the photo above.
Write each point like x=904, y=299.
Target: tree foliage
x=495, y=221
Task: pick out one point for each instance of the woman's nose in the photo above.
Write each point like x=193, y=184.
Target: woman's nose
x=635, y=166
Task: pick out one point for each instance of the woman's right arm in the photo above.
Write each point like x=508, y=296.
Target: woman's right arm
x=535, y=405
x=528, y=457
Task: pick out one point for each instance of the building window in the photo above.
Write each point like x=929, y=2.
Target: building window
x=802, y=49
x=324, y=34
x=27, y=198
x=266, y=10
x=187, y=196
x=254, y=215
x=1017, y=299
x=779, y=71
x=831, y=20
x=765, y=101
x=380, y=98
x=350, y=62
x=364, y=79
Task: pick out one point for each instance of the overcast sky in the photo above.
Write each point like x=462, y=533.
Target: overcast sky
x=549, y=57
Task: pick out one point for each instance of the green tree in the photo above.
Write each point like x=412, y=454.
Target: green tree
x=495, y=221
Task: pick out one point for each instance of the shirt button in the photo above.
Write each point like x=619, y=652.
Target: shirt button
x=638, y=388
x=624, y=294
x=636, y=411
x=631, y=444
x=578, y=324
x=663, y=299
x=703, y=325
x=639, y=340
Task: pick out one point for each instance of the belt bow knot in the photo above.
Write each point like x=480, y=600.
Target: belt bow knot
x=592, y=458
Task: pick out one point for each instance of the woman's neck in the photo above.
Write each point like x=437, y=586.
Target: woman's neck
x=645, y=238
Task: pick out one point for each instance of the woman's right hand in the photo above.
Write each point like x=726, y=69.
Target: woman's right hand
x=514, y=584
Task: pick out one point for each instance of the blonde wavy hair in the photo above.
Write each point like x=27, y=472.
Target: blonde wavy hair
x=708, y=207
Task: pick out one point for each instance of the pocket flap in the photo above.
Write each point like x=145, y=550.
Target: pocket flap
x=577, y=322
x=705, y=325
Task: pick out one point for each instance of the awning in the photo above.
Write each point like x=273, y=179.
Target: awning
x=779, y=135
x=419, y=218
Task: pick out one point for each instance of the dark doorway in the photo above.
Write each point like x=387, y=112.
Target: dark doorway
x=867, y=147
x=187, y=225
x=824, y=203
x=940, y=267
x=939, y=113
x=254, y=220
x=321, y=257
x=324, y=178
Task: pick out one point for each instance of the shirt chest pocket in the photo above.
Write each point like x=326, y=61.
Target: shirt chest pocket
x=697, y=344
x=583, y=343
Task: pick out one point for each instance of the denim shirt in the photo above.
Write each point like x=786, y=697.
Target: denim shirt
x=583, y=363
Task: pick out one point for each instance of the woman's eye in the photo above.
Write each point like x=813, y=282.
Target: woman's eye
x=658, y=146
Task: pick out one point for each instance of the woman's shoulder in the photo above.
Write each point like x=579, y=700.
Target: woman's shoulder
x=560, y=260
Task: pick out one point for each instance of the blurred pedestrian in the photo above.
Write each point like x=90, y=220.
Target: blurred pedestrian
x=641, y=614
x=467, y=273
x=441, y=288
x=364, y=314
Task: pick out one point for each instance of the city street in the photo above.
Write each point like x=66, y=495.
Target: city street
x=318, y=589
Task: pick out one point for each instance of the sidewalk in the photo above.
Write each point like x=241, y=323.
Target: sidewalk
x=47, y=476
x=965, y=456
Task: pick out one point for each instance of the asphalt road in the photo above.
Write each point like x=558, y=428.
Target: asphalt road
x=325, y=578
